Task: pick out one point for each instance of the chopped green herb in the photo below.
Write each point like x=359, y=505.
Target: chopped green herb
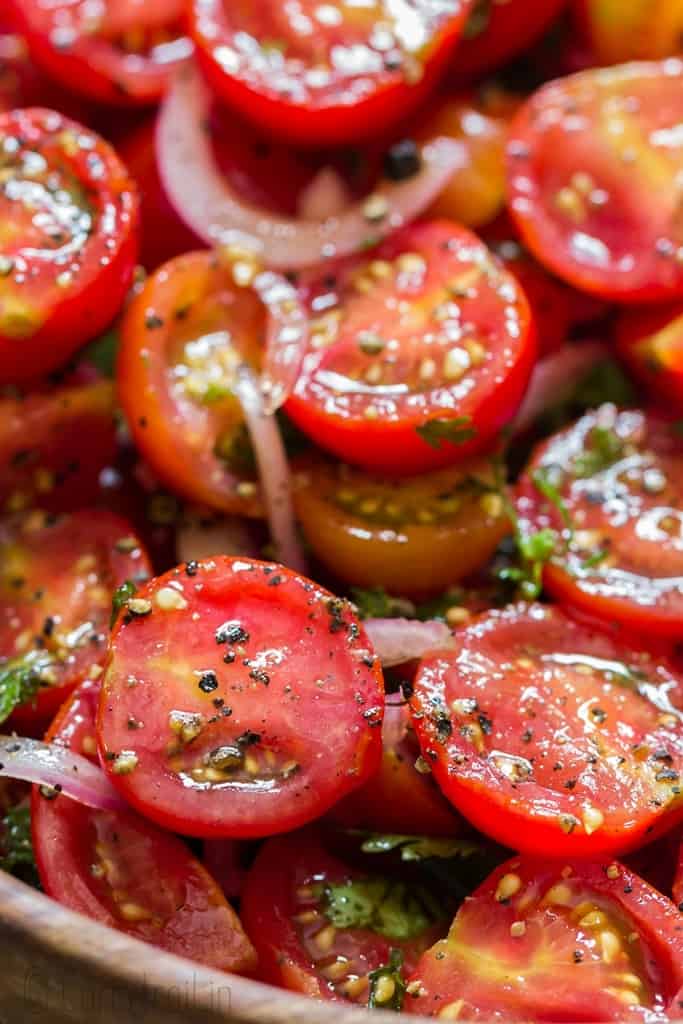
x=606, y=448
x=478, y=20
x=390, y=908
x=101, y=353
x=387, y=985
x=438, y=432
x=122, y=596
x=417, y=848
x=595, y=559
x=21, y=679
x=375, y=603
x=542, y=482
x=16, y=847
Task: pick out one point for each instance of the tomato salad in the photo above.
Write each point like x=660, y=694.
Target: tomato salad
x=341, y=493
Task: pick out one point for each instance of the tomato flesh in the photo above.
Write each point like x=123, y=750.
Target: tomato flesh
x=650, y=341
x=593, y=166
x=618, y=477
x=497, y=31
x=428, y=328
x=57, y=580
x=621, y=30
x=69, y=215
x=259, y=700
x=122, y=52
x=417, y=535
x=122, y=871
x=324, y=74
x=299, y=948
x=551, y=736
x=555, y=942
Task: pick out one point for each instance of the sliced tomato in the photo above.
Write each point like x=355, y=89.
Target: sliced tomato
x=320, y=74
x=43, y=459
x=322, y=926
x=593, y=170
x=420, y=352
x=616, y=502
x=417, y=535
x=258, y=699
x=650, y=341
x=551, y=736
x=399, y=799
x=119, y=869
x=497, y=30
x=57, y=580
x=555, y=942
x=22, y=85
x=678, y=880
x=475, y=194
x=68, y=235
x=621, y=30
x=182, y=341
x=122, y=52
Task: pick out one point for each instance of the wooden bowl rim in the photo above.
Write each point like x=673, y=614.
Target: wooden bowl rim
x=38, y=925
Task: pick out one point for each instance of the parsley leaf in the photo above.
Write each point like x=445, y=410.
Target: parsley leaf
x=606, y=448
x=121, y=596
x=101, y=353
x=438, y=432
x=16, y=847
x=394, y=909
x=21, y=678
x=387, y=985
x=375, y=603
x=542, y=482
x=417, y=848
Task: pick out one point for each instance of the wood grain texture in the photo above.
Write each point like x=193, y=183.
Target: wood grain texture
x=57, y=967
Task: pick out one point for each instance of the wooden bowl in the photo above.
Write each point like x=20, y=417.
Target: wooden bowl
x=58, y=967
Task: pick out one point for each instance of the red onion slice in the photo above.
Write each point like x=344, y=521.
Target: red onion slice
x=208, y=205
x=398, y=640
x=273, y=468
x=47, y=764
x=325, y=196
x=555, y=378
x=286, y=341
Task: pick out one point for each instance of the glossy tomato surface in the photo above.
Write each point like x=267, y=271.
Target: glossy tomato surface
x=497, y=30
x=622, y=30
x=616, y=504
x=555, y=942
x=58, y=576
x=551, y=736
x=321, y=74
x=69, y=214
x=322, y=926
x=417, y=535
x=183, y=339
x=258, y=699
x=420, y=353
x=593, y=165
x=121, y=870
x=120, y=52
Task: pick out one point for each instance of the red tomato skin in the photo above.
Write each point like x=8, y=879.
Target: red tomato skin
x=94, y=68
x=529, y=815
x=398, y=800
x=332, y=121
x=393, y=446
x=201, y=926
x=103, y=528
x=652, y=275
x=678, y=880
x=512, y=27
x=652, y=916
x=22, y=85
x=105, y=271
x=217, y=590
x=268, y=906
x=650, y=342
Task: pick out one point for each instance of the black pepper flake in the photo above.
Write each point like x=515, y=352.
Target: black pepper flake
x=153, y=322
x=192, y=568
x=248, y=739
x=628, y=889
x=570, y=784
x=275, y=581
x=259, y=676
x=577, y=956
x=208, y=682
x=229, y=657
x=402, y=161
x=231, y=632
x=667, y=775
x=527, y=736
x=485, y=724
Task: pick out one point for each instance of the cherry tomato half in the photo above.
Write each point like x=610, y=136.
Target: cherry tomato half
x=68, y=239
x=650, y=341
x=324, y=74
x=417, y=535
x=611, y=486
x=499, y=29
x=593, y=170
x=555, y=942
x=551, y=736
x=121, y=870
x=43, y=459
x=57, y=580
x=182, y=340
x=621, y=30
x=399, y=799
x=420, y=353
x=120, y=52
x=322, y=926
x=22, y=85
x=259, y=701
